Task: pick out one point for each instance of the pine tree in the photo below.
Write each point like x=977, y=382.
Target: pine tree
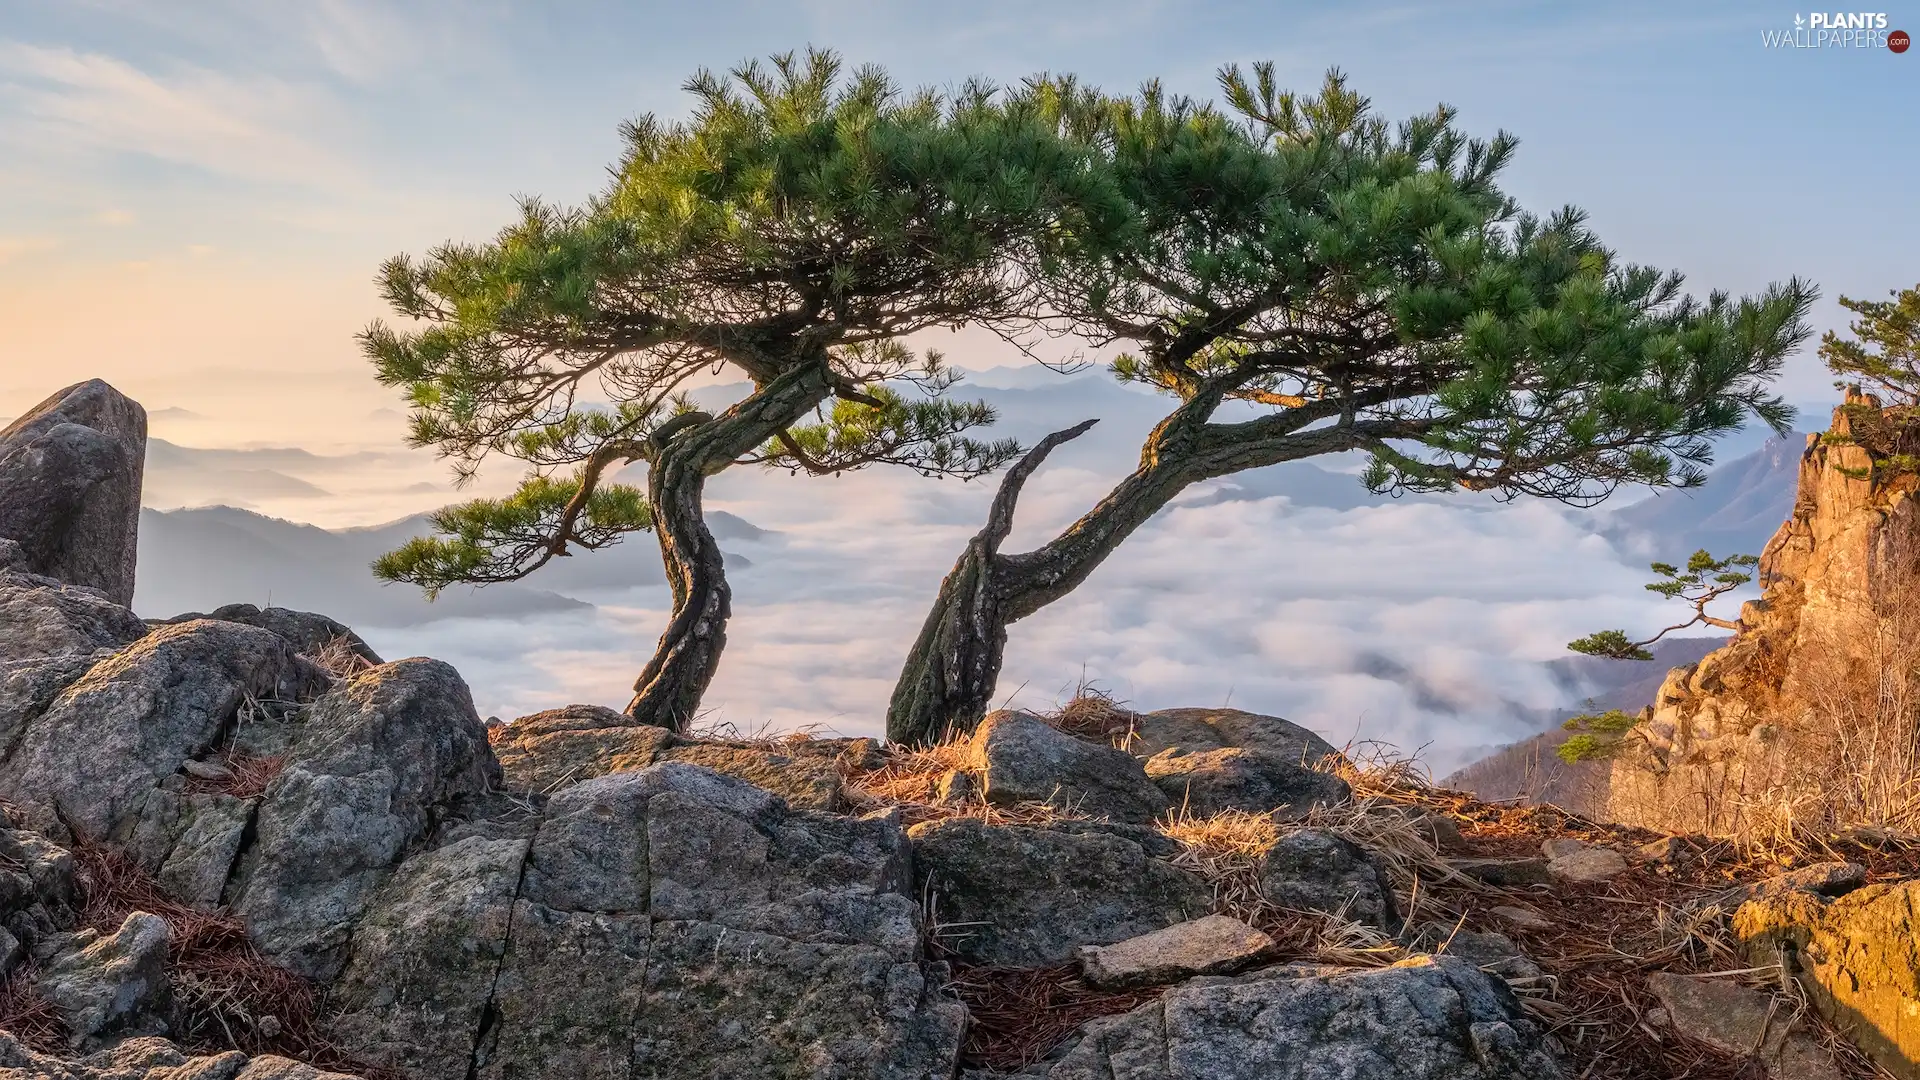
x=792, y=231
x=1885, y=354
x=1368, y=288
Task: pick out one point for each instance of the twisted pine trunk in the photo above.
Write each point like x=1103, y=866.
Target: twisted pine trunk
x=947, y=682
x=948, y=679
x=669, y=689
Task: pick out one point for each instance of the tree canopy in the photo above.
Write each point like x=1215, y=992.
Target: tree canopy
x=1885, y=350
x=1348, y=284
x=792, y=231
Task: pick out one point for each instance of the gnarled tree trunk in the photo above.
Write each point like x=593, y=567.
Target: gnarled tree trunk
x=670, y=687
x=948, y=680
x=951, y=670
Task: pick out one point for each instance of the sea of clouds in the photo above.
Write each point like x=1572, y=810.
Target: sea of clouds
x=1422, y=623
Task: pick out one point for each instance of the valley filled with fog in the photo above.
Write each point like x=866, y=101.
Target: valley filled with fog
x=1432, y=623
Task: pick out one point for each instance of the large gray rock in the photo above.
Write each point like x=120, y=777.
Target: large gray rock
x=1195, y=730
x=1017, y=757
x=549, y=750
x=70, y=473
x=1746, y=1023
x=1206, y=782
x=41, y=618
x=1315, y=870
x=1433, y=1018
x=424, y=958
x=669, y=921
x=93, y=759
x=116, y=985
x=382, y=758
x=151, y=1059
x=307, y=631
x=50, y=634
x=1025, y=896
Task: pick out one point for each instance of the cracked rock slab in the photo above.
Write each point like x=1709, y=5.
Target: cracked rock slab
x=1588, y=865
x=424, y=959
x=722, y=1004
x=1735, y=1020
x=1027, y=896
x=567, y=1002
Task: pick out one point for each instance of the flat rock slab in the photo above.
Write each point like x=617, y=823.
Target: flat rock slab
x=1206, y=946
x=1433, y=1018
x=1588, y=866
x=1733, y=1019
x=1524, y=918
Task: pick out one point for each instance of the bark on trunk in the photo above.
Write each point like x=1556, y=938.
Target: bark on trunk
x=669, y=689
x=949, y=676
x=948, y=680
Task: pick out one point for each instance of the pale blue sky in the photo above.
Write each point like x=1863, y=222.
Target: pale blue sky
x=252, y=161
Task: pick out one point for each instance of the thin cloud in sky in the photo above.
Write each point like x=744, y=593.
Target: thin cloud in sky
x=17, y=247
x=250, y=127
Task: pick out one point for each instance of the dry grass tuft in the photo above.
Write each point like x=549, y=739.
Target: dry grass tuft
x=247, y=775
x=911, y=781
x=1020, y=1014
x=1227, y=850
x=27, y=1016
x=338, y=659
x=1095, y=715
x=762, y=737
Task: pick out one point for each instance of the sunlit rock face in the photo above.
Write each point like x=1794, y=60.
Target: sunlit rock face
x=1750, y=737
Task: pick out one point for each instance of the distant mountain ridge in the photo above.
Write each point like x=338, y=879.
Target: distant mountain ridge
x=1735, y=512
x=199, y=559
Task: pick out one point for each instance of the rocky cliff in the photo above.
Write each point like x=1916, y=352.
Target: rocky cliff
x=1796, y=724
